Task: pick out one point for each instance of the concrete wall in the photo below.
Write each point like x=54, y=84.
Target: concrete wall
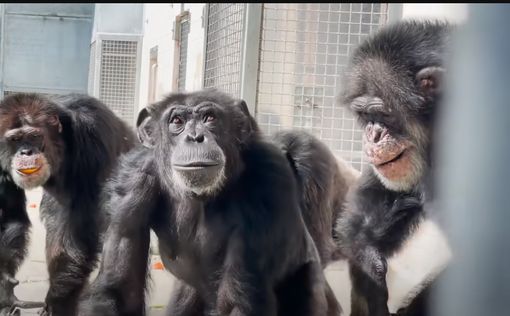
x=45, y=47
x=118, y=18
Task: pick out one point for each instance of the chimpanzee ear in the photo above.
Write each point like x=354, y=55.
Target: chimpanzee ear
x=145, y=128
x=430, y=81
x=55, y=121
x=247, y=125
x=243, y=107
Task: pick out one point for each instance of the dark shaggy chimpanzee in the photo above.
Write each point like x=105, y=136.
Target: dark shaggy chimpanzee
x=393, y=88
x=14, y=230
x=68, y=145
x=323, y=183
x=224, y=204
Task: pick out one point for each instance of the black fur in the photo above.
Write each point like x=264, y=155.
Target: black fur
x=14, y=237
x=323, y=183
x=81, y=156
x=385, y=86
x=241, y=250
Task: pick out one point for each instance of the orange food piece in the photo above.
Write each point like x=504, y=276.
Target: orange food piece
x=32, y=205
x=28, y=171
x=158, y=266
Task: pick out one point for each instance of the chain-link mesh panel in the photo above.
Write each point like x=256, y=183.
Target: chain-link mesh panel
x=183, y=54
x=304, y=51
x=224, y=47
x=118, y=77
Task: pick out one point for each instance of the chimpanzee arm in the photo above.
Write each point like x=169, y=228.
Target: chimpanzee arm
x=71, y=252
x=13, y=246
x=373, y=230
x=260, y=245
x=119, y=289
x=368, y=297
x=244, y=288
x=367, y=267
x=14, y=226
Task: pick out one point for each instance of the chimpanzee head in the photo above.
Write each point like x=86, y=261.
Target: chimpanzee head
x=30, y=138
x=197, y=139
x=393, y=87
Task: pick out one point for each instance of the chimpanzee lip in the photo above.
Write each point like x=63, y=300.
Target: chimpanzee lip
x=397, y=157
x=22, y=171
x=196, y=165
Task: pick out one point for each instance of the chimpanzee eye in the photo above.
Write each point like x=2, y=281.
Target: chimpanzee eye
x=176, y=120
x=53, y=120
x=209, y=118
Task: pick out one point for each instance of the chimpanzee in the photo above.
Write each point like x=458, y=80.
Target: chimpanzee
x=224, y=204
x=393, y=87
x=14, y=231
x=323, y=183
x=68, y=145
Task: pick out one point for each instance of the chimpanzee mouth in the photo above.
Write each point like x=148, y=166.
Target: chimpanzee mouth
x=396, y=158
x=197, y=165
x=28, y=171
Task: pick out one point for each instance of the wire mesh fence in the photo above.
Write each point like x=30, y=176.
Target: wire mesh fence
x=304, y=51
x=118, y=77
x=224, y=46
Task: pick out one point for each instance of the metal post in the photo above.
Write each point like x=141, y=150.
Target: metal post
x=250, y=55
x=474, y=173
x=205, y=25
x=2, y=48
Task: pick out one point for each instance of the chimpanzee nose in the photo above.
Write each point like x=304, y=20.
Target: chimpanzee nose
x=375, y=132
x=199, y=138
x=26, y=152
x=377, y=135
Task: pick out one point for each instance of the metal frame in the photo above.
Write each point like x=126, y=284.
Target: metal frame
x=205, y=22
x=2, y=50
x=250, y=61
x=179, y=19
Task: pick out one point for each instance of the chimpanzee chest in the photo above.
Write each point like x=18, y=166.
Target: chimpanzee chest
x=194, y=244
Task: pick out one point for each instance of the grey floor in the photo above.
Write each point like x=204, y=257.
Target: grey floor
x=404, y=274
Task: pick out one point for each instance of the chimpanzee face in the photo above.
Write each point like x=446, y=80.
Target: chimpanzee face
x=395, y=110
x=28, y=128
x=196, y=139
x=198, y=162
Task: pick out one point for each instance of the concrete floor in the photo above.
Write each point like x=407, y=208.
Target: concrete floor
x=402, y=277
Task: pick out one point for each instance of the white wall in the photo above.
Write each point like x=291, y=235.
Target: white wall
x=158, y=32
x=159, y=20
x=454, y=12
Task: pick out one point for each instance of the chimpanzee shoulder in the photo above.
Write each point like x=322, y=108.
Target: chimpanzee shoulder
x=93, y=136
